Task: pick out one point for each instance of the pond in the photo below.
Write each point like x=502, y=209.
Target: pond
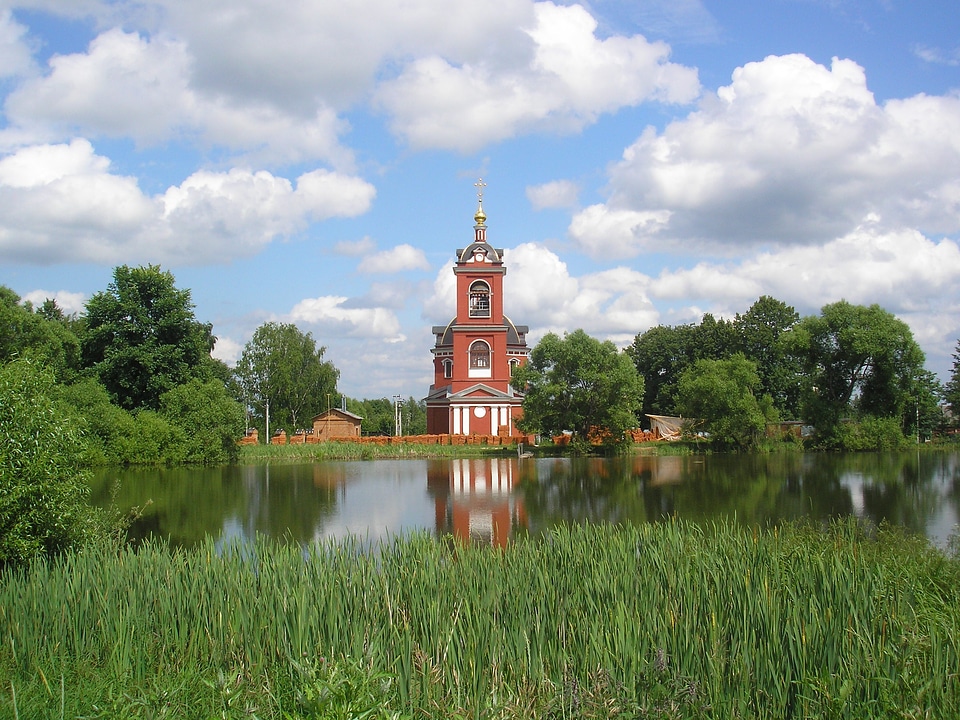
x=490, y=500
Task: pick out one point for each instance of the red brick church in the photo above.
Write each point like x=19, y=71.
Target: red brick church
x=477, y=350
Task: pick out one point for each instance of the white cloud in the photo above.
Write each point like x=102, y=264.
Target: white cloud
x=71, y=303
x=60, y=203
x=601, y=231
x=397, y=259
x=570, y=78
x=227, y=350
x=556, y=194
x=791, y=152
x=334, y=317
x=272, y=81
x=127, y=85
x=540, y=292
x=16, y=58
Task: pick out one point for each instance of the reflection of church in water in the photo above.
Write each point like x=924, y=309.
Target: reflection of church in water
x=474, y=499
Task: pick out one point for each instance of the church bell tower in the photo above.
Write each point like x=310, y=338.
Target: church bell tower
x=475, y=353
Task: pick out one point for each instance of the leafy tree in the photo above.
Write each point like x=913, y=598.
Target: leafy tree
x=141, y=337
x=110, y=431
x=759, y=332
x=43, y=490
x=284, y=367
x=660, y=355
x=723, y=393
x=855, y=359
x=211, y=420
x=578, y=383
x=38, y=335
x=414, y=417
x=952, y=389
x=378, y=415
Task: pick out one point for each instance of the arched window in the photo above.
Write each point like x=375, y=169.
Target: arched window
x=514, y=364
x=479, y=355
x=448, y=368
x=479, y=299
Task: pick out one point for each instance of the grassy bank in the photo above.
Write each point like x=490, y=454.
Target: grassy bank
x=361, y=451
x=665, y=621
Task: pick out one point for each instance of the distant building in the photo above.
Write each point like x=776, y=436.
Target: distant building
x=336, y=424
x=477, y=350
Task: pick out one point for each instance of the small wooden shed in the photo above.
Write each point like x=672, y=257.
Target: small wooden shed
x=336, y=423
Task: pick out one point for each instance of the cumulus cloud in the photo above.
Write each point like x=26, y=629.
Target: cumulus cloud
x=61, y=203
x=569, y=80
x=127, y=85
x=397, y=259
x=539, y=291
x=16, y=58
x=791, y=152
x=334, y=316
x=71, y=303
x=555, y=194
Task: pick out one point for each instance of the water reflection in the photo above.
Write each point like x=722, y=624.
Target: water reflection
x=474, y=499
x=489, y=500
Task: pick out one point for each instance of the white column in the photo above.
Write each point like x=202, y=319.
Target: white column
x=466, y=420
x=456, y=420
x=494, y=416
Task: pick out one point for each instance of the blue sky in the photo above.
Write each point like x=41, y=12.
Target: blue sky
x=646, y=162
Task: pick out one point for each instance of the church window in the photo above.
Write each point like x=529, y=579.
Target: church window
x=479, y=354
x=479, y=300
x=448, y=368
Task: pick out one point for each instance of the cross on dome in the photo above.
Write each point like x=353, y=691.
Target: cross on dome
x=480, y=217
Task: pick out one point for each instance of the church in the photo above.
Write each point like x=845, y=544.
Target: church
x=477, y=350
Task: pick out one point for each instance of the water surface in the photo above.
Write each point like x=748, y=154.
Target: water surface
x=490, y=500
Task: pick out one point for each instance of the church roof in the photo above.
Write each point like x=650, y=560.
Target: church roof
x=495, y=254
x=514, y=332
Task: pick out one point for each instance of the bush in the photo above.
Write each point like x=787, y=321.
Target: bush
x=210, y=419
x=871, y=434
x=43, y=491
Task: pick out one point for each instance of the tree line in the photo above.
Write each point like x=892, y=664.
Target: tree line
x=852, y=373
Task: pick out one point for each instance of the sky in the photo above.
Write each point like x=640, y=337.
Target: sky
x=646, y=162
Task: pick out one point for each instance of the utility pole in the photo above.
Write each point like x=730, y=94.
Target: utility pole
x=397, y=415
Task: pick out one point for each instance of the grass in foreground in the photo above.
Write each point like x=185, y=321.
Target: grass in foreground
x=665, y=621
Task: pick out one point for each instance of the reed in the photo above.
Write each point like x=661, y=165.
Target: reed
x=334, y=450
x=666, y=620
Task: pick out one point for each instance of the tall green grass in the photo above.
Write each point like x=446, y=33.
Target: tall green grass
x=363, y=451
x=660, y=620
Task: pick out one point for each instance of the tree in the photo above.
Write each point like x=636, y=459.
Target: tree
x=578, y=383
x=952, y=389
x=759, y=332
x=855, y=359
x=141, y=337
x=43, y=490
x=723, y=394
x=284, y=367
x=660, y=355
x=210, y=419
x=44, y=335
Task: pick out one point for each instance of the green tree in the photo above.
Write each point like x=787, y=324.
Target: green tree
x=661, y=354
x=952, y=389
x=284, y=367
x=723, y=394
x=43, y=490
x=40, y=335
x=855, y=360
x=759, y=332
x=578, y=383
x=211, y=420
x=141, y=338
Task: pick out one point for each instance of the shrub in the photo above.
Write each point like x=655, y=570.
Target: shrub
x=43, y=491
